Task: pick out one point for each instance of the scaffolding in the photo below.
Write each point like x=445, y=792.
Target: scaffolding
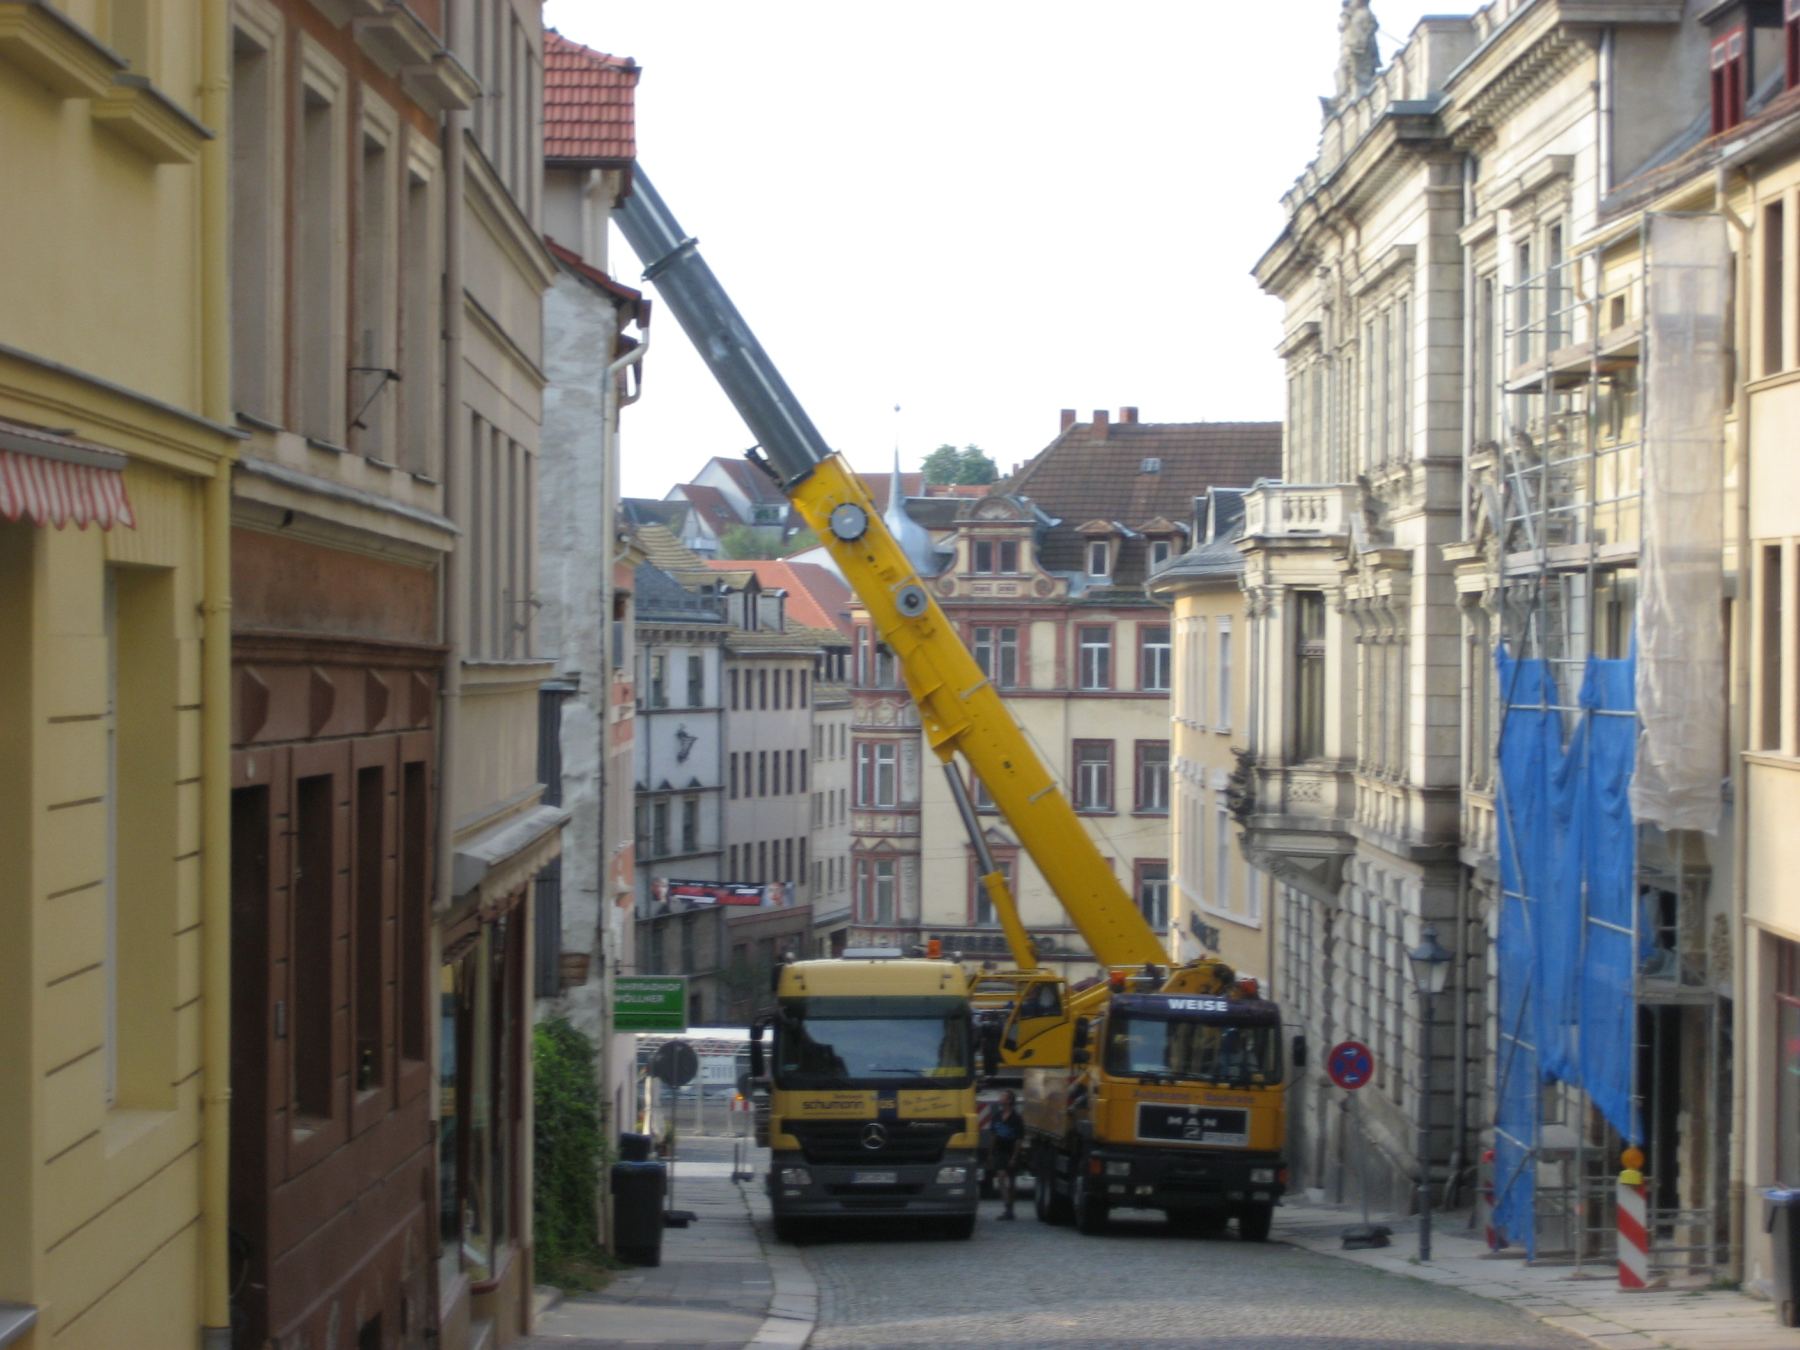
x=1603, y=963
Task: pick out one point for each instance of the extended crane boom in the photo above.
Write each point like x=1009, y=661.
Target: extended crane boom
x=960, y=710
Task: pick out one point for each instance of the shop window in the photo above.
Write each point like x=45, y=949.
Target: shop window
x=309, y=1034
x=1787, y=1062
x=366, y=964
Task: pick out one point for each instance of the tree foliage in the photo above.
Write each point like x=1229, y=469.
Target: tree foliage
x=569, y=1155
x=947, y=464
x=740, y=542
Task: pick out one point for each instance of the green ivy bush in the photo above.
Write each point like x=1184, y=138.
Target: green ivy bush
x=571, y=1157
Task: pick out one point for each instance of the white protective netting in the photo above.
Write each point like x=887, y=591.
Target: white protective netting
x=1680, y=627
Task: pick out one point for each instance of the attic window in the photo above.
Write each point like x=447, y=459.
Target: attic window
x=1152, y=464
x=1727, y=62
x=1159, y=553
x=1790, y=41
x=1099, y=558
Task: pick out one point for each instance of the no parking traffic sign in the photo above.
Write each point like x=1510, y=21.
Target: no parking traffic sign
x=1350, y=1064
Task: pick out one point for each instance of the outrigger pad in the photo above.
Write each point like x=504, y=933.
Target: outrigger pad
x=1366, y=1235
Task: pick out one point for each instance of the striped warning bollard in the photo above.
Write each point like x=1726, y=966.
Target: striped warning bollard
x=1634, y=1228
x=1494, y=1241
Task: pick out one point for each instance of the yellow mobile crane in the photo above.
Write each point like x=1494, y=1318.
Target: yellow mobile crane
x=1155, y=1089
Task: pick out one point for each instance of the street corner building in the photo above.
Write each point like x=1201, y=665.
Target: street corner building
x=115, y=449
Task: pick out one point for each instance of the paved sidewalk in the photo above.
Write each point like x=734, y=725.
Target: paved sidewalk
x=723, y=1282
x=1593, y=1307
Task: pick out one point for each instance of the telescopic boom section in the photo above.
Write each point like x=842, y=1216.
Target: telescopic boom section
x=960, y=711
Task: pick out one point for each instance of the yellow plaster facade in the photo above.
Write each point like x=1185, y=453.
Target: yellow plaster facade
x=104, y=752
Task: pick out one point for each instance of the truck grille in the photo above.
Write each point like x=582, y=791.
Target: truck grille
x=848, y=1142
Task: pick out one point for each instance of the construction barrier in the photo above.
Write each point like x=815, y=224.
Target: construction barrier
x=1494, y=1241
x=1634, y=1228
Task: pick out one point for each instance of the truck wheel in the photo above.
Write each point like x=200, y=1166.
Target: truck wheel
x=788, y=1228
x=1090, y=1209
x=960, y=1228
x=1254, y=1222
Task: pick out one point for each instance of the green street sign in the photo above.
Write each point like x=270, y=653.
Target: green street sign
x=650, y=1003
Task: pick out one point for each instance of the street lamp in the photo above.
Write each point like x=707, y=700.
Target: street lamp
x=1430, y=964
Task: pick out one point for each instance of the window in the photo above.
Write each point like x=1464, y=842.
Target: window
x=1790, y=41
x=803, y=771
x=875, y=888
x=981, y=906
x=731, y=863
x=877, y=773
x=696, y=682
x=1099, y=558
x=799, y=869
x=1252, y=895
x=762, y=861
x=789, y=683
x=1774, y=728
x=1095, y=657
x=1153, y=892
x=1093, y=775
x=1153, y=776
x=659, y=828
x=1153, y=657
x=421, y=271
x=762, y=690
x=659, y=691
x=1159, y=553
x=690, y=824
x=979, y=794
x=1522, y=303
x=1194, y=677
x=762, y=773
x=996, y=555
x=255, y=216
x=997, y=653
x=1222, y=854
x=687, y=943
x=1224, y=722
x=887, y=674
x=313, y=946
x=372, y=354
x=803, y=689
x=732, y=680
x=733, y=759
x=1727, y=61
x=1486, y=318
x=369, y=904
x=1309, y=683
x=788, y=776
x=317, y=221
x=1774, y=294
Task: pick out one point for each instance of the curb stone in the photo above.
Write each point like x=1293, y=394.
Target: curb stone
x=794, y=1305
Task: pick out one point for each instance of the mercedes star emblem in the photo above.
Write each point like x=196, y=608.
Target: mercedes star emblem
x=874, y=1136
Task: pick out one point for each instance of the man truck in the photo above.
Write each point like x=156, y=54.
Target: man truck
x=871, y=1082
x=1185, y=1134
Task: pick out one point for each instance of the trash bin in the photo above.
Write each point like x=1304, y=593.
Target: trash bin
x=638, y=1185
x=1781, y=1221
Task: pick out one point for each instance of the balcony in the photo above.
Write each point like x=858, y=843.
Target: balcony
x=1276, y=513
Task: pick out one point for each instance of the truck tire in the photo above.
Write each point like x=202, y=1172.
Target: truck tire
x=960, y=1228
x=789, y=1229
x=1089, y=1208
x=1202, y=1223
x=1254, y=1222
x=1051, y=1207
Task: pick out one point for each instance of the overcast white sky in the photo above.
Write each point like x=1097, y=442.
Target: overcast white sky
x=981, y=211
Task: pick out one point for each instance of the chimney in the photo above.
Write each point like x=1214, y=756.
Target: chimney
x=1100, y=422
x=1128, y=417
x=1068, y=418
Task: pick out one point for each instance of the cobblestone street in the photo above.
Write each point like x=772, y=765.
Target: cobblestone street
x=1028, y=1284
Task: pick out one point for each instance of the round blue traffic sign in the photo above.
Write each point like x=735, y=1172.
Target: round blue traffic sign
x=1350, y=1064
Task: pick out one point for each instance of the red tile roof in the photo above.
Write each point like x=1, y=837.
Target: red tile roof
x=817, y=598
x=713, y=506
x=1135, y=473
x=588, y=98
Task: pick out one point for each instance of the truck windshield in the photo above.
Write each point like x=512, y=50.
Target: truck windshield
x=872, y=1042
x=1211, y=1052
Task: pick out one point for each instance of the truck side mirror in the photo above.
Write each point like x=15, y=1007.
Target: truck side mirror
x=1081, y=1036
x=1298, y=1053
x=756, y=1051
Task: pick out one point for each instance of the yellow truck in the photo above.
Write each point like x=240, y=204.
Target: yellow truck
x=1198, y=1134
x=871, y=1083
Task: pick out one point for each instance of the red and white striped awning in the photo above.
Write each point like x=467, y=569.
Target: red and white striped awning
x=53, y=479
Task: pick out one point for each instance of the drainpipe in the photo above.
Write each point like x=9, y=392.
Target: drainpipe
x=1740, y=699
x=456, y=491
x=215, y=685
x=611, y=401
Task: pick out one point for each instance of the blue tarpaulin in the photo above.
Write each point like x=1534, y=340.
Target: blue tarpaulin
x=1567, y=860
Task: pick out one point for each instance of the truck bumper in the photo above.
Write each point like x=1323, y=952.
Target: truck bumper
x=1167, y=1180
x=801, y=1189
